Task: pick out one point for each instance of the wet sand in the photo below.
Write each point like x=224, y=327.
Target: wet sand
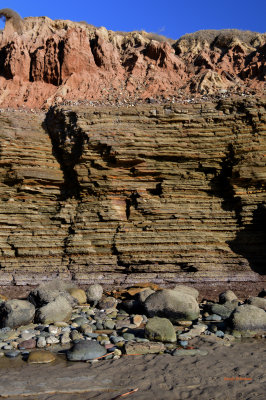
x=226, y=373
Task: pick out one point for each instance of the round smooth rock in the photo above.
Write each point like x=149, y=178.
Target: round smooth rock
x=183, y=343
x=213, y=317
x=160, y=329
x=41, y=342
x=228, y=295
x=27, y=344
x=85, y=350
x=12, y=353
x=94, y=293
x=41, y=357
x=78, y=294
x=219, y=334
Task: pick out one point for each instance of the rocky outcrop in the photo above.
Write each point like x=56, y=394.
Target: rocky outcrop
x=46, y=62
x=153, y=192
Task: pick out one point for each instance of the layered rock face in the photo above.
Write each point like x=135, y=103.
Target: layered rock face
x=152, y=192
x=46, y=62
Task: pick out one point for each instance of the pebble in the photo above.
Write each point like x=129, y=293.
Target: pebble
x=41, y=357
x=65, y=338
x=2, y=354
x=128, y=336
x=54, y=330
x=183, y=343
x=213, y=317
x=219, y=334
x=41, y=342
x=52, y=340
x=25, y=335
x=27, y=344
x=12, y=353
x=61, y=324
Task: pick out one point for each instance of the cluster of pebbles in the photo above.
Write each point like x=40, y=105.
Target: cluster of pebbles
x=92, y=325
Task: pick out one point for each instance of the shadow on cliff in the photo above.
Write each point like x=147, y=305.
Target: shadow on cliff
x=67, y=147
x=251, y=241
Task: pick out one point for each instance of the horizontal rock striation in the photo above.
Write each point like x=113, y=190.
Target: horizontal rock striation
x=46, y=62
x=152, y=192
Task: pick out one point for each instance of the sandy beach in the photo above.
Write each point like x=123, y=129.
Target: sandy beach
x=229, y=372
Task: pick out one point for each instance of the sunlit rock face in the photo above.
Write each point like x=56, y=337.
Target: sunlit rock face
x=159, y=192
x=43, y=62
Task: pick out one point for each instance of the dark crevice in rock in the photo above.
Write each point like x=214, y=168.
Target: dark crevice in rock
x=221, y=185
x=5, y=69
x=250, y=242
x=67, y=141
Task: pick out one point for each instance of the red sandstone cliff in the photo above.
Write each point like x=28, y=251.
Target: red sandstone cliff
x=54, y=61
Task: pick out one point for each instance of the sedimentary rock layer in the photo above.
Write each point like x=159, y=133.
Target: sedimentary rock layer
x=46, y=62
x=155, y=192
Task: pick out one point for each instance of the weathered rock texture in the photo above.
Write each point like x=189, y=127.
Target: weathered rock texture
x=43, y=62
x=152, y=192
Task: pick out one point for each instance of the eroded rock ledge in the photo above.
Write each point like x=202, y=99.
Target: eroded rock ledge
x=43, y=62
x=156, y=192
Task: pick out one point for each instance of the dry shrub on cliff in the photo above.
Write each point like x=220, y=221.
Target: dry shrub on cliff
x=148, y=35
x=13, y=17
x=220, y=38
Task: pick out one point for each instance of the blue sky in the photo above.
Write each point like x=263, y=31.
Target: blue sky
x=172, y=18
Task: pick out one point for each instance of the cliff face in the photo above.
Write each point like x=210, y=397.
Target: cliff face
x=152, y=192
x=56, y=61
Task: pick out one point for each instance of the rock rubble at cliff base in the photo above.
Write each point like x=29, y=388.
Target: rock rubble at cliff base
x=138, y=320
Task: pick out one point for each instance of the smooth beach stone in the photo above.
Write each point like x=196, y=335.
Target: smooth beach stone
x=109, y=324
x=224, y=310
x=188, y=352
x=80, y=321
x=172, y=304
x=137, y=320
x=128, y=336
x=27, y=344
x=12, y=353
x=183, y=343
x=213, y=317
x=41, y=342
x=219, y=334
x=248, y=317
x=94, y=293
x=26, y=335
x=228, y=295
x=41, y=357
x=47, y=292
x=78, y=294
x=85, y=350
x=14, y=313
x=65, y=338
x=53, y=330
x=107, y=303
x=143, y=295
x=58, y=310
x=187, y=290
x=52, y=340
x=160, y=330
x=259, y=302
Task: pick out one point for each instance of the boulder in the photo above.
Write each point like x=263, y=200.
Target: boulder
x=107, y=303
x=160, y=330
x=14, y=313
x=142, y=296
x=187, y=290
x=172, y=304
x=259, y=302
x=224, y=310
x=58, y=310
x=49, y=291
x=248, y=317
x=94, y=293
x=85, y=350
x=78, y=294
x=228, y=295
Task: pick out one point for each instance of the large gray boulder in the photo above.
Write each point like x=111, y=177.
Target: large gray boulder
x=55, y=311
x=48, y=291
x=248, y=317
x=160, y=330
x=172, y=304
x=187, y=290
x=14, y=313
x=259, y=302
x=224, y=310
x=228, y=295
